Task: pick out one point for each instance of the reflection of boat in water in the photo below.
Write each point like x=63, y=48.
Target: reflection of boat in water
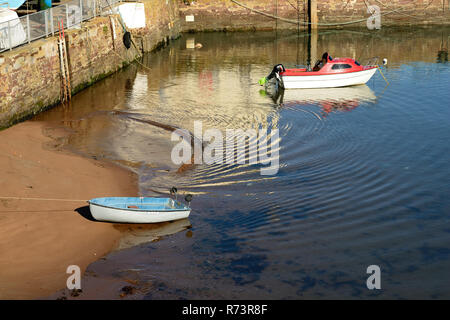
x=305, y=96
x=134, y=235
x=330, y=99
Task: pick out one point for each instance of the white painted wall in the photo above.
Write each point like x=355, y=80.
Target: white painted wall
x=133, y=14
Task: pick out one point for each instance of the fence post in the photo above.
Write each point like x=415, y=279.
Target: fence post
x=95, y=8
x=46, y=22
x=81, y=11
x=9, y=35
x=28, y=28
x=51, y=19
x=67, y=16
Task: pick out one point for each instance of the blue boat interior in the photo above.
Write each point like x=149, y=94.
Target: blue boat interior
x=140, y=203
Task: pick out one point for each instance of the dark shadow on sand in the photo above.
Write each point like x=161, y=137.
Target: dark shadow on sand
x=85, y=213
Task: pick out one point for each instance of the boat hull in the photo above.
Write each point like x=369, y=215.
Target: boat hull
x=328, y=80
x=143, y=213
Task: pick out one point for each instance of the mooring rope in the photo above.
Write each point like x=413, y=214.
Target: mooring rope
x=309, y=23
x=379, y=69
x=134, y=60
x=42, y=199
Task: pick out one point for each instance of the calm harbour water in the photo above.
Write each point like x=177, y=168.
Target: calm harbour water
x=363, y=180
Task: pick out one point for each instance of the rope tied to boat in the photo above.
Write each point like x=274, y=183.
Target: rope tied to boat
x=378, y=67
x=41, y=199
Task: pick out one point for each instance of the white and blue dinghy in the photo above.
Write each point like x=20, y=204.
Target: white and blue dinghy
x=139, y=209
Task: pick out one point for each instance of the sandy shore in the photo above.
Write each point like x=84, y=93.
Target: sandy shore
x=39, y=239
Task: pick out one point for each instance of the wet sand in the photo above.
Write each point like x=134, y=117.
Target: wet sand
x=40, y=239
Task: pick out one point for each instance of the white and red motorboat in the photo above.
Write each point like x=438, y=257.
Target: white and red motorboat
x=327, y=73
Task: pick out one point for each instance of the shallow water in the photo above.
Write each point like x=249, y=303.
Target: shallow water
x=363, y=178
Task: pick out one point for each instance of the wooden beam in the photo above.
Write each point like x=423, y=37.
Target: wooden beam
x=312, y=13
x=314, y=37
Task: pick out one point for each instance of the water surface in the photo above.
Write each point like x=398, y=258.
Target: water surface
x=363, y=179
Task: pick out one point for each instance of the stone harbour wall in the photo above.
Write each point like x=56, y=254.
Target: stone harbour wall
x=30, y=75
x=225, y=15
x=214, y=15
x=162, y=24
x=393, y=12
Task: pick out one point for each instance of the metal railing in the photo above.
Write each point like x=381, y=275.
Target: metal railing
x=41, y=24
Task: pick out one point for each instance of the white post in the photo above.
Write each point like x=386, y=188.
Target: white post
x=9, y=35
x=28, y=28
x=51, y=19
x=81, y=11
x=67, y=16
x=46, y=22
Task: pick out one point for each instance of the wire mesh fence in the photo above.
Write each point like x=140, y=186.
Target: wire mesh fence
x=25, y=29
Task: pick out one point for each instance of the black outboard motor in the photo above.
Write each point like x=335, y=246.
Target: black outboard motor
x=274, y=74
x=276, y=71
